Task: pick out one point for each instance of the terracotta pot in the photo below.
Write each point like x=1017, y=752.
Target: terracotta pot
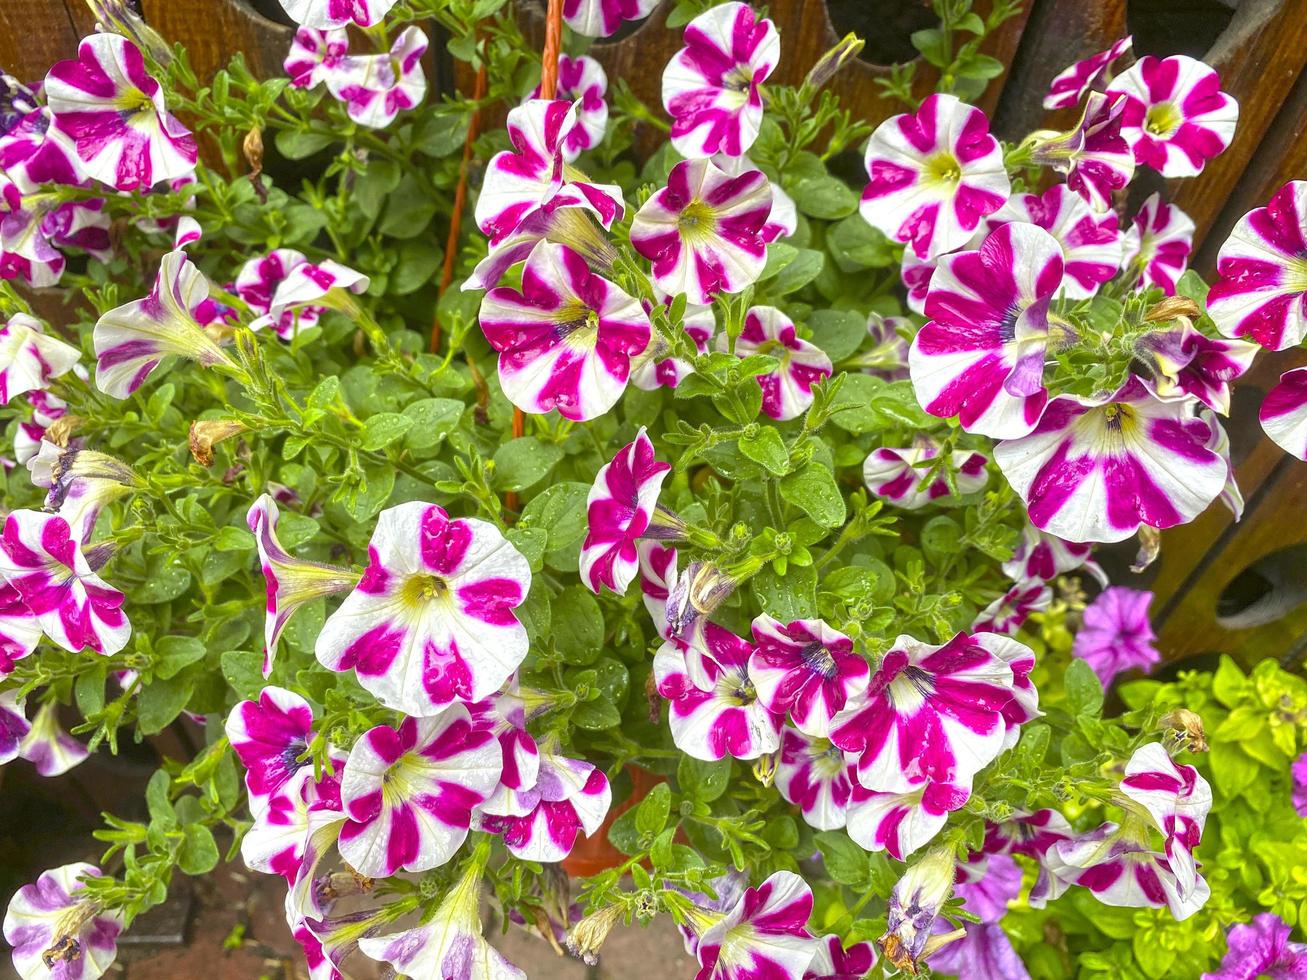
x=595, y=853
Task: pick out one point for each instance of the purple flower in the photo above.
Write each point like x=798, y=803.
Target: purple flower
x=1299, y=771
x=987, y=885
x=541, y=822
x=807, y=669
x=1071, y=84
x=1284, y=413
x=13, y=725
x=1261, y=948
x=55, y=934
x=1184, y=363
x=618, y=511
x=257, y=285
x=764, y=934
x=984, y=953
x=1116, y=635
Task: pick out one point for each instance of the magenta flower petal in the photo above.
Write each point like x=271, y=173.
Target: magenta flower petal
x=542, y=822
x=897, y=475
x=1158, y=244
x=1071, y=84
x=813, y=775
x=1091, y=244
x=618, y=511
x=269, y=736
x=1115, y=635
x=1284, y=413
x=337, y=13
x=582, y=81
x=900, y=823
x=699, y=323
x=1261, y=948
x=984, y=953
x=764, y=934
x=600, y=18
x=807, y=669
x=54, y=934
x=787, y=391
x=376, y=88
x=1044, y=556
x=316, y=56
x=833, y=961
x=29, y=357
x=1008, y=612
x=50, y=749
x=1178, y=800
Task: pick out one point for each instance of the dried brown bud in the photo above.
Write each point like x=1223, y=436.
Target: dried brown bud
x=61, y=429
x=1171, y=308
x=1184, y=731
x=253, y=149
x=1150, y=546
x=207, y=433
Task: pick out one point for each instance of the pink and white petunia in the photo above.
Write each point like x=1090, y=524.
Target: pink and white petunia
x=409, y=792
x=1095, y=158
x=50, y=749
x=257, y=285
x=783, y=219
x=316, y=57
x=566, y=339
x=290, y=581
x=532, y=178
x=275, y=844
x=1039, y=555
x=1091, y=244
x=898, y=475
x=900, y=823
x=324, y=14
x=583, y=81
x=570, y=797
x=504, y=716
x=724, y=718
x=33, y=153
x=57, y=935
x=14, y=725
x=600, y=18
x=934, y=175
x=618, y=512
x=29, y=357
x=812, y=774
x=712, y=87
x=79, y=482
x=309, y=288
x=1097, y=472
x=833, y=961
x=113, y=111
x=1176, y=117
x=378, y=87
x=1071, y=84
x=1157, y=245
x=915, y=274
x=765, y=934
x=42, y=560
x=1031, y=834
x=699, y=323
x=1262, y=291
x=20, y=630
x=806, y=669
x=132, y=339
x=432, y=620
x=787, y=391
x=1024, y=705
x=26, y=251
x=1177, y=799
x=1284, y=413
x=888, y=356
x=704, y=231
x=269, y=736
x=1008, y=612
x=931, y=713
x=1185, y=363
x=981, y=355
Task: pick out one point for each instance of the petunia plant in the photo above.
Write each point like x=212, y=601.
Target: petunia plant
x=520, y=513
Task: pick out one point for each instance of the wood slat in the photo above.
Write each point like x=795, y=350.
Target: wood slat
x=214, y=30
x=34, y=34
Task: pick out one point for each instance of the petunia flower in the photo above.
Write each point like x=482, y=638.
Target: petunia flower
x=981, y=355
x=783, y=219
x=901, y=822
x=132, y=339
x=1040, y=555
x=703, y=232
x=915, y=903
x=1031, y=834
x=315, y=959
x=48, y=747
x=113, y=111
x=1184, y=363
x=432, y=620
x=1094, y=157
x=1176, y=117
x=712, y=87
x=1071, y=84
x=898, y=475
x=26, y=252
x=1097, y=472
x=787, y=391
x=930, y=712
x=1284, y=413
x=724, y=718
x=1261, y=293
x=308, y=289
x=409, y=792
x=833, y=961
x=14, y=725
x=257, y=284
x=618, y=511
x=269, y=736
x=42, y=559
x=934, y=175
x=290, y=581
x=1157, y=245
x=888, y=356
x=984, y=952
x=1261, y=948
x=79, y=482
x=570, y=797
x=57, y=935
x=1024, y=705
x=601, y=18
x=566, y=339
x=33, y=152
x=915, y=274
x=806, y=669
x=29, y=358
x=987, y=884
x=336, y=13
x=583, y=81
x=1091, y=244
x=1116, y=635
x=764, y=934
x=1008, y=612
x=650, y=374
x=533, y=178
x=1177, y=799
x=20, y=630
x=504, y=715
x=275, y=844
x=317, y=56
x=376, y=88
x=812, y=774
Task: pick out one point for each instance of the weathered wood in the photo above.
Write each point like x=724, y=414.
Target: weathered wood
x=34, y=34
x=214, y=30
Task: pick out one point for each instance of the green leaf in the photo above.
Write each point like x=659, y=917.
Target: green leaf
x=440, y=134
x=652, y=813
x=433, y=419
x=1232, y=770
x=164, y=583
x=174, y=653
x=159, y=703
x=379, y=482
x=157, y=802
x=790, y=597
x=825, y=197
x=779, y=255
x=296, y=145
x=578, y=625
x=624, y=834
x=409, y=209
x=560, y=510
x=384, y=428
x=596, y=716
x=416, y=267
x=231, y=538
x=838, y=332
x=854, y=245
x=524, y=462
x=844, y=860
x=767, y=448
x=806, y=267
x=1084, y=693
x=941, y=536
x=1229, y=683
x=198, y=854
x=703, y=781
x=854, y=411
x=814, y=491
x=243, y=670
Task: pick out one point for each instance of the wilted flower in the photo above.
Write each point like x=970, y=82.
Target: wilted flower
x=888, y=356
x=79, y=482
x=207, y=433
x=914, y=905
x=29, y=358
x=787, y=391
x=1284, y=413
x=584, y=81
x=1116, y=635
x=1157, y=245
x=618, y=511
x=1071, y=84
x=764, y=934
x=898, y=475
x=50, y=749
x=806, y=669
x=55, y=934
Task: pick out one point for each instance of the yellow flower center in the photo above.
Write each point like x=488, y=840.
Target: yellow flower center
x=697, y=221
x=943, y=168
x=422, y=589
x=1163, y=119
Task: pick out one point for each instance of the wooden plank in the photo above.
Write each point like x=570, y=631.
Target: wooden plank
x=34, y=34
x=214, y=30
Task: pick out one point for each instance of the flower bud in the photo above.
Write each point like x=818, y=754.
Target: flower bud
x=914, y=905
x=829, y=64
x=1172, y=308
x=118, y=17
x=207, y=433
x=1150, y=546
x=252, y=147
x=695, y=595
x=1183, y=731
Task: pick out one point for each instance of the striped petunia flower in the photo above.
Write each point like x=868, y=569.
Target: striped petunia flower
x=1039, y=555
x=888, y=356
x=317, y=56
x=1091, y=243
x=1261, y=294
x=1185, y=363
x=1177, y=799
x=601, y=18
x=699, y=323
x=1157, y=245
x=57, y=934
x=1098, y=470
x=1094, y=157
x=897, y=475
x=812, y=774
x=336, y=13
x=934, y=175
x=724, y=717
x=583, y=81
x=29, y=357
x=80, y=482
x=765, y=934
x=981, y=355
x=504, y=716
x=712, y=87
x=783, y=219
x=113, y=112
x=1284, y=413
x=409, y=792
x=378, y=87
x=1031, y=834
x=833, y=961
x=618, y=511
x=930, y=713
x=257, y=284
x=1024, y=705
x=50, y=749
x=307, y=290
x=566, y=339
x=42, y=559
x=787, y=391
x=806, y=669
x=570, y=797
x=1008, y=612
x=20, y=630
x=14, y=725
x=290, y=581
x=703, y=232
x=269, y=736
x=432, y=620
x=132, y=339
x=34, y=152
x=1071, y=84
x=1176, y=117
x=276, y=842
x=902, y=822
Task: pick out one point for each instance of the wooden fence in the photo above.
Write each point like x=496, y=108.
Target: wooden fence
x=1221, y=587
